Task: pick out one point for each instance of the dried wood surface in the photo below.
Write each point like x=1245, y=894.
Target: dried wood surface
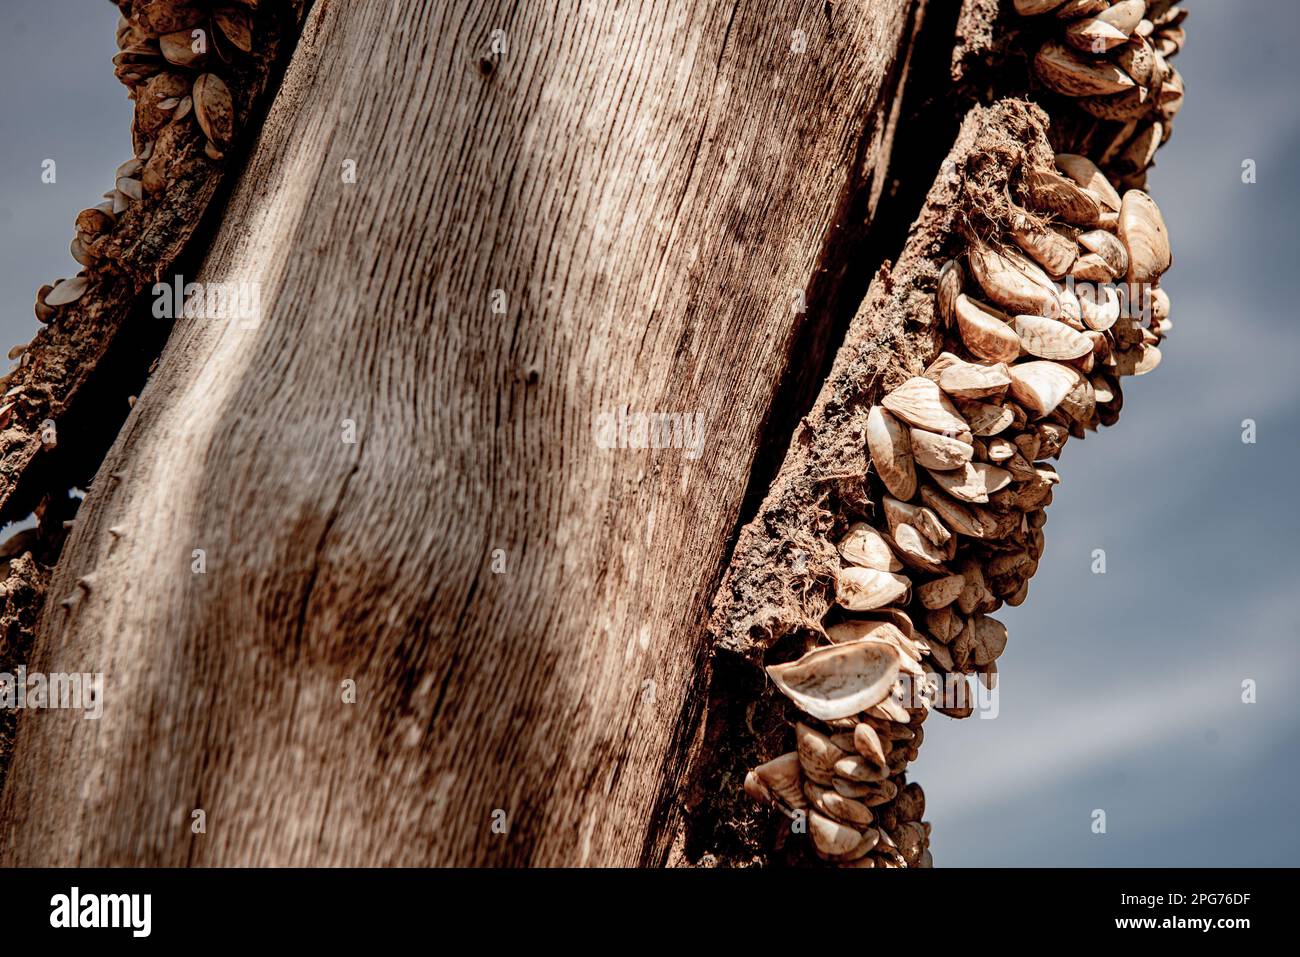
x=649, y=189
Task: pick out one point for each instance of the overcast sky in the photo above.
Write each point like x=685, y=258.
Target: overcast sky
x=1120, y=692
x=64, y=104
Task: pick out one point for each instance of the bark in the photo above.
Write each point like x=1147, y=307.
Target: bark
x=644, y=195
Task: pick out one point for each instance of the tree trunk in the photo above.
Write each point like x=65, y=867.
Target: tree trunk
x=398, y=480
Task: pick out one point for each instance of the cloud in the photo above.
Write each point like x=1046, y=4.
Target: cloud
x=1117, y=713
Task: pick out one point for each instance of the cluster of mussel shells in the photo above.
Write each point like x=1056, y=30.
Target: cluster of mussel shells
x=864, y=699
x=93, y=228
x=170, y=56
x=1112, y=58
x=169, y=52
x=1039, y=328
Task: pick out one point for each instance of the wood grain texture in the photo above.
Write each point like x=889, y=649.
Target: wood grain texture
x=649, y=185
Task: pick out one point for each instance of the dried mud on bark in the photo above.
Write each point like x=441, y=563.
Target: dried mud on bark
x=21, y=595
x=27, y=561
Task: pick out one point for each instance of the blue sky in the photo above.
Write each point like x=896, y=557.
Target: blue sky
x=1118, y=691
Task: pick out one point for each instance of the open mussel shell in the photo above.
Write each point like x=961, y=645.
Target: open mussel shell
x=839, y=681
x=214, y=109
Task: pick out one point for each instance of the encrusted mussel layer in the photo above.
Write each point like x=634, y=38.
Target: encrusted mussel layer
x=1043, y=316
x=1112, y=60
